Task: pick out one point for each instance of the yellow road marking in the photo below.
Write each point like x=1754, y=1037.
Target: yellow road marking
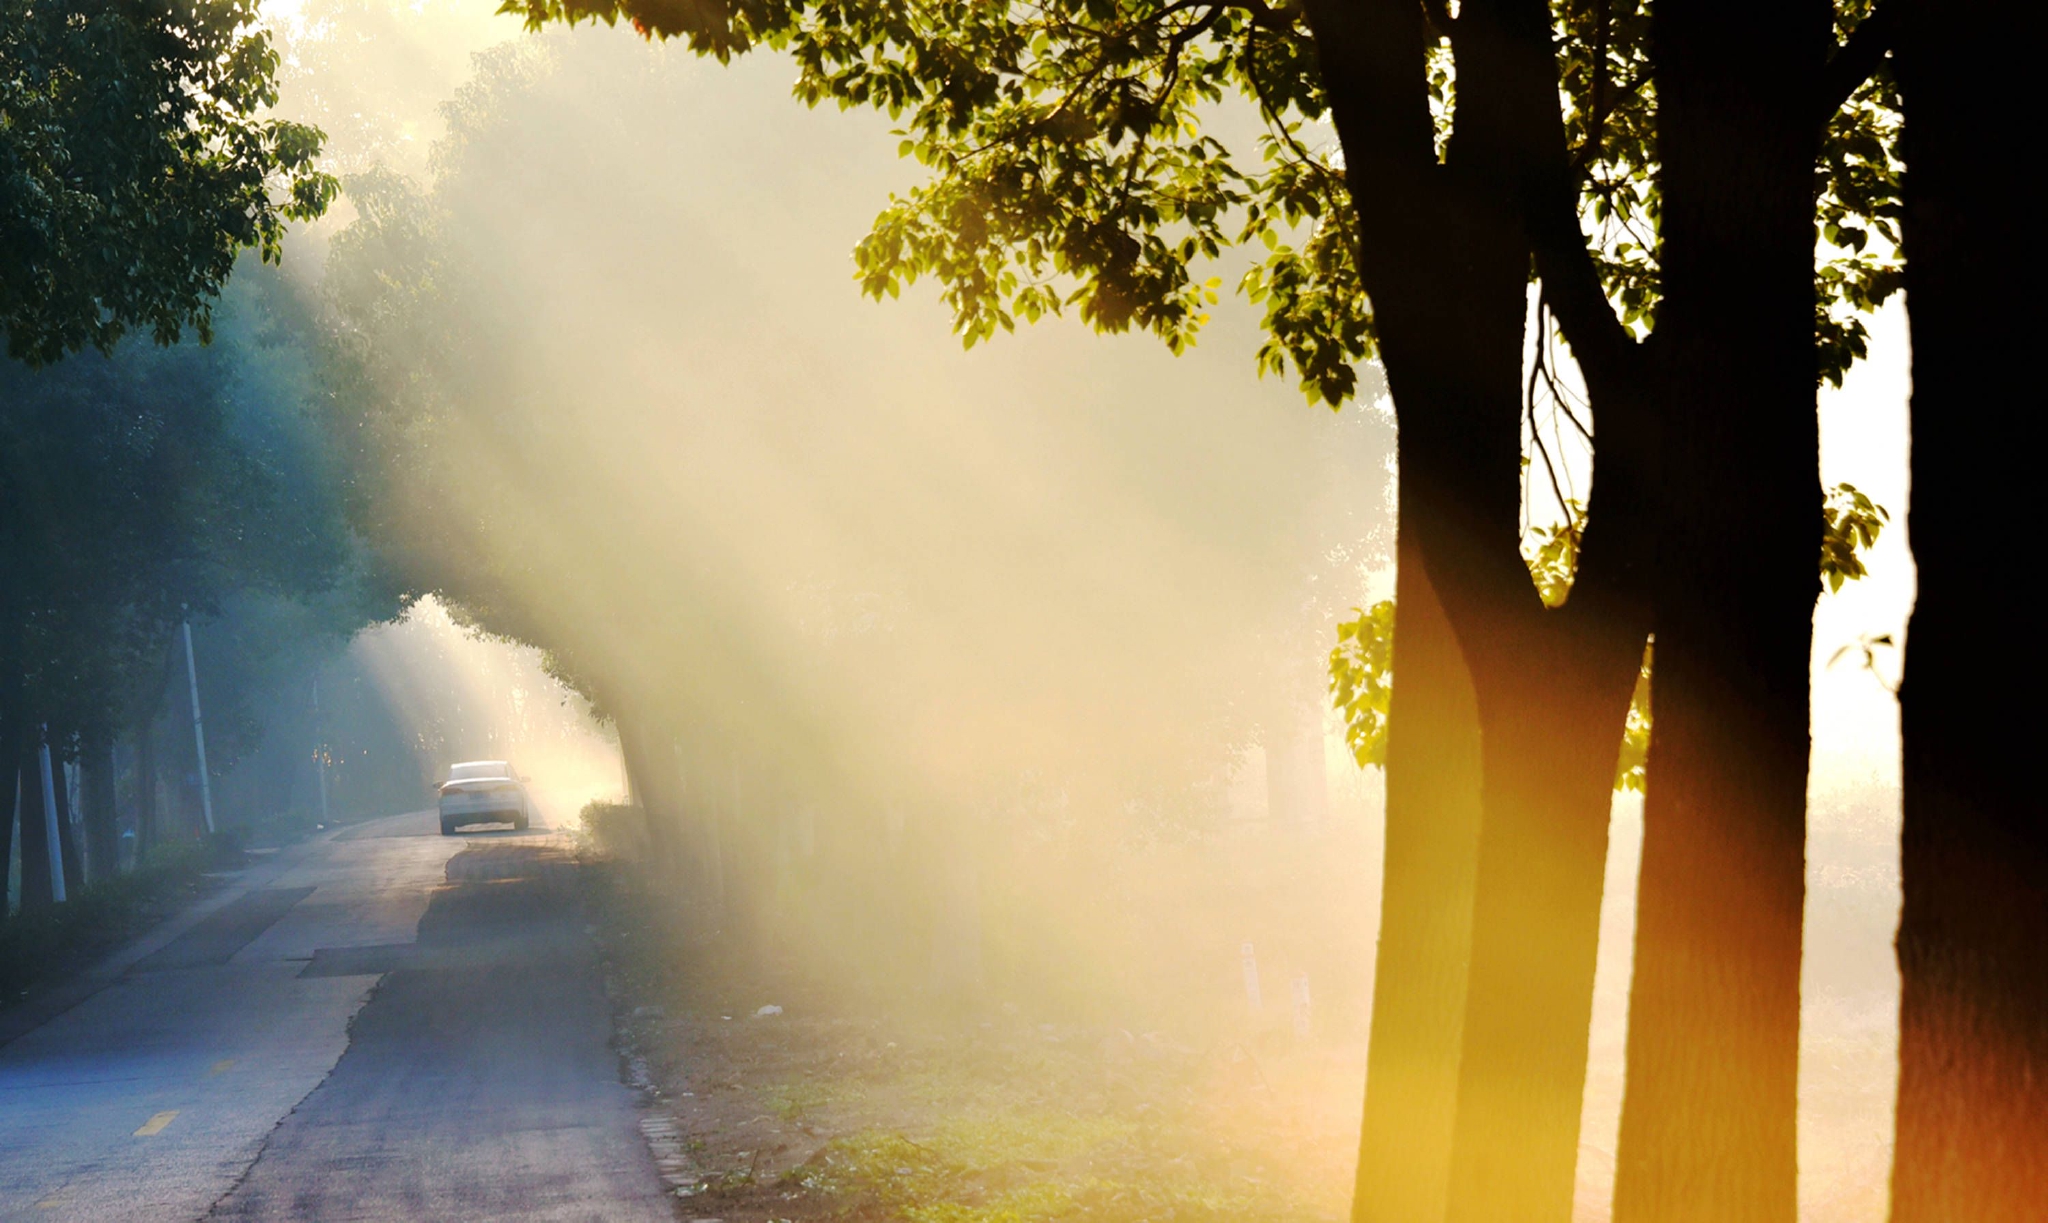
x=222, y=1066
x=155, y=1125
x=51, y=1204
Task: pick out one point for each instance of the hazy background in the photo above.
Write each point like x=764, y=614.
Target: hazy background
x=1020, y=624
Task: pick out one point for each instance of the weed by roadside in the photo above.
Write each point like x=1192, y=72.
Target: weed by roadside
x=38, y=946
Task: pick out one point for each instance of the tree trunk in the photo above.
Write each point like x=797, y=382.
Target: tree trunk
x=1709, y=1120
x=67, y=840
x=146, y=821
x=1973, y=933
x=102, y=832
x=36, y=892
x=1432, y=838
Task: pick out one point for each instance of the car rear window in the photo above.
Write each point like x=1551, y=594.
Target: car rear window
x=479, y=770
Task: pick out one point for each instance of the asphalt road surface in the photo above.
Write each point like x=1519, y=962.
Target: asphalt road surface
x=385, y=1024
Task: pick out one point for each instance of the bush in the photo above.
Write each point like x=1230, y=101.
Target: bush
x=615, y=829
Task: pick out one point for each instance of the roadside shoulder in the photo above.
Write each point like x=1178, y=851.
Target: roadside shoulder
x=47, y=1000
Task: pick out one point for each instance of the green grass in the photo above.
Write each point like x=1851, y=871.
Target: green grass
x=37, y=946
x=1020, y=1166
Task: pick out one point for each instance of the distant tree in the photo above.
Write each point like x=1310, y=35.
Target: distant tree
x=1676, y=191
x=135, y=165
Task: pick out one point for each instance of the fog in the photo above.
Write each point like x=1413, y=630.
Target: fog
x=993, y=676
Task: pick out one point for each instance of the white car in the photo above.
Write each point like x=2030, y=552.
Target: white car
x=484, y=792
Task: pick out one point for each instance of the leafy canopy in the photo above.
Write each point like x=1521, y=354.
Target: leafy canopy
x=134, y=166
x=1075, y=166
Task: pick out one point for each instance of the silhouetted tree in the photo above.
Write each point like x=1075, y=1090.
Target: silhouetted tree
x=1973, y=932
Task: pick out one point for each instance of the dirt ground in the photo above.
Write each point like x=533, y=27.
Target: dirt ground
x=772, y=1102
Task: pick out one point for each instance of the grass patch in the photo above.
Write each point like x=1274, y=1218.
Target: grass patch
x=39, y=946
x=836, y=1110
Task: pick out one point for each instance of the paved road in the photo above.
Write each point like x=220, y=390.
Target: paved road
x=385, y=1024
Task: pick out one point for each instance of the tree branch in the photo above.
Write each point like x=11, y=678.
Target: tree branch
x=1547, y=183
x=1377, y=85
x=1855, y=60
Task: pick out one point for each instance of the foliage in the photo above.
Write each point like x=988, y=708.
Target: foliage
x=614, y=828
x=1361, y=675
x=1552, y=553
x=38, y=945
x=1074, y=166
x=134, y=167
x=1853, y=524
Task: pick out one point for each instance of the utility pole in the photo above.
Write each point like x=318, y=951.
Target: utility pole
x=50, y=822
x=198, y=729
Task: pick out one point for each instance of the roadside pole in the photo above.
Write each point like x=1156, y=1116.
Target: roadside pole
x=50, y=822
x=198, y=729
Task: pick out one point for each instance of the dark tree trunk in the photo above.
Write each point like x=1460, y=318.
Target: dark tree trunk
x=67, y=840
x=1708, y=1126
x=147, y=827
x=102, y=832
x=1973, y=933
x=11, y=789
x=10, y=798
x=36, y=892
x=10, y=777
x=13, y=735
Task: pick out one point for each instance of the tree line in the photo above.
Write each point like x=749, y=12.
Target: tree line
x=153, y=470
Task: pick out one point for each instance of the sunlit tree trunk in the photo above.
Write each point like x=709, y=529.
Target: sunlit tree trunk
x=1432, y=840
x=1445, y=258
x=1973, y=934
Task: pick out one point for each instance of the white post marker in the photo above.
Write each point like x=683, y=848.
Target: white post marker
x=50, y=823
x=1251, y=976
x=1301, y=1014
x=198, y=728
